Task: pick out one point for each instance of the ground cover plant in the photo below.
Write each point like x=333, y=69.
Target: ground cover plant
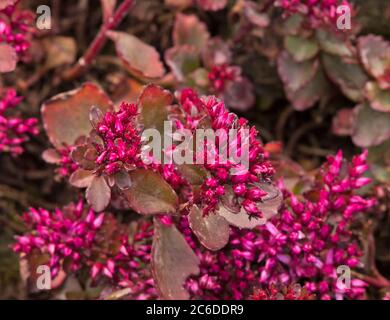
x=195, y=149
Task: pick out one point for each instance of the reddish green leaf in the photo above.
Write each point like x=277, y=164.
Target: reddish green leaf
x=188, y=29
x=379, y=99
x=371, y=127
x=172, y=261
x=150, y=194
x=182, y=60
x=332, y=43
x=212, y=230
x=66, y=116
x=379, y=159
x=255, y=14
x=238, y=94
x=59, y=51
x=8, y=58
x=81, y=178
x=51, y=156
x=295, y=74
x=139, y=58
x=216, y=52
x=310, y=93
x=349, y=76
x=374, y=52
x=153, y=103
x=342, y=124
x=301, y=49
x=194, y=174
x=98, y=193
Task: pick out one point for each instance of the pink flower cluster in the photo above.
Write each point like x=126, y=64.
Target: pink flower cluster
x=14, y=131
x=121, y=140
x=213, y=113
x=76, y=238
x=291, y=292
x=317, y=11
x=15, y=28
x=305, y=244
x=220, y=74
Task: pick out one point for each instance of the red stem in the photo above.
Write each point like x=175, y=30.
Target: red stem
x=377, y=281
x=97, y=44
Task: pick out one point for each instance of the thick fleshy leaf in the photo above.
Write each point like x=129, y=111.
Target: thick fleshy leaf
x=194, y=174
x=81, y=178
x=126, y=90
x=8, y=58
x=330, y=42
x=51, y=156
x=122, y=180
x=66, y=116
x=212, y=5
x=301, y=49
x=59, y=51
x=212, y=230
x=349, y=76
x=98, y=193
x=216, y=52
x=237, y=216
x=374, y=52
x=188, y=29
x=153, y=103
x=379, y=99
x=310, y=93
x=342, y=124
x=379, y=159
x=254, y=13
x=139, y=58
x=150, y=194
x=371, y=127
x=173, y=261
x=182, y=60
x=238, y=94
x=295, y=74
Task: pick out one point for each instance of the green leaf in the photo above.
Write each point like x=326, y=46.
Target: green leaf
x=153, y=103
x=172, y=261
x=182, y=60
x=330, y=42
x=379, y=159
x=349, y=76
x=66, y=115
x=194, y=174
x=374, y=52
x=310, y=93
x=371, y=127
x=301, y=49
x=212, y=230
x=138, y=57
x=295, y=74
x=379, y=99
x=150, y=194
x=188, y=29
x=98, y=193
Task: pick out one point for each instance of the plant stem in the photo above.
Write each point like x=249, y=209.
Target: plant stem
x=378, y=281
x=97, y=44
